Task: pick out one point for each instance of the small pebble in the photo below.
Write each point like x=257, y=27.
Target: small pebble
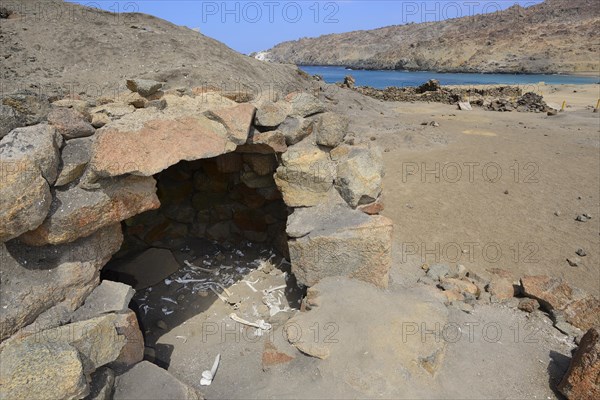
x=573, y=262
x=581, y=253
x=581, y=218
x=557, y=213
x=506, y=192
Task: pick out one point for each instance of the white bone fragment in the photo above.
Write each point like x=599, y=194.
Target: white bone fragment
x=189, y=264
x=250, y=286
x=170, y=300
x=184, y=338
x=208, y=376
x=260, y=324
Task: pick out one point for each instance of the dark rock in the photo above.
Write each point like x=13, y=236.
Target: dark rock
x=432, y=85
x=102, y=384
x=581, y=253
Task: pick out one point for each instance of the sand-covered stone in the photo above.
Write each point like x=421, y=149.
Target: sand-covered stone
x=270, y=114
x=304, y=104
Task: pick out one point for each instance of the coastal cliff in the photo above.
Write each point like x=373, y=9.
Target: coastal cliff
x=555, y=36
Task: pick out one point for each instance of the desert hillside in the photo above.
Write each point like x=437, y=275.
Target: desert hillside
x=53, y=45
x=556, y=36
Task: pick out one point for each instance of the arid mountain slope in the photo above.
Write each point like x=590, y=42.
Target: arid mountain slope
x=51, y=44
x=551, y=37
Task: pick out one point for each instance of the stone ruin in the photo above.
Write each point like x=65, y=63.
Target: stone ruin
x=85, y=180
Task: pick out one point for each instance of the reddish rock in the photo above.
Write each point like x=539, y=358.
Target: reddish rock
x=584, y=313
x=459, y=285
x=237, y=120
x=453, y=295
x=228, y=163
x=151, y=143
x=552, y=293
x=582, y=380
x=577, y=307
x=272, y=356
x=528, y=305
x=373, y=208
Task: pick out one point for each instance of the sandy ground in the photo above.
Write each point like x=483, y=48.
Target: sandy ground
x=519, y=171
x=483, y=189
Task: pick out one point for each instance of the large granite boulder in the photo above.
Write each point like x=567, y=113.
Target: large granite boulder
x=271, y=115
x=304, y=104
x=334, y=240
x=29, y=159
x=46, y=370
x=305, y=175
x=331, y=129
x=33, y=280
x=30, y=107
x=150, y=140
x=28, y=370
x=76, y=212
x=9, y=120
x=360, y=175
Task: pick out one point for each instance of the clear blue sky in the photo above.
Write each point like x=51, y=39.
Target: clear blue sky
x=248, y=26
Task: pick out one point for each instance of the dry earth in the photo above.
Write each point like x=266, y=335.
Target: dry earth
x=558, y=164
x=509, y=353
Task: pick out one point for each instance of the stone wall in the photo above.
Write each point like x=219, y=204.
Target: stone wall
x=231, y=198
x=73, y=171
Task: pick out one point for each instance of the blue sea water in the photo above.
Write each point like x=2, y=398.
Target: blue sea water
x=383, y=79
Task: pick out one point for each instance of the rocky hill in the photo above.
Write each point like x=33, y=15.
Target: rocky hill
x=52, y=45
x=552, y=37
